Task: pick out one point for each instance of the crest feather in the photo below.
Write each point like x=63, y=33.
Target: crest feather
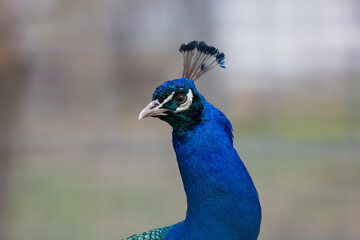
x=198, y=58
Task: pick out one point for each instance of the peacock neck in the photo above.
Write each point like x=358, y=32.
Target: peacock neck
x=221, y=197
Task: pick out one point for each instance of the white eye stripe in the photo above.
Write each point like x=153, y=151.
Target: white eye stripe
x=167, y=99
x=186, y=105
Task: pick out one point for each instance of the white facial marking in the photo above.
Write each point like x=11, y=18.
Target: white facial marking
x=154, y=108
x=157, y=106
x=186, y=105
x=167, y=99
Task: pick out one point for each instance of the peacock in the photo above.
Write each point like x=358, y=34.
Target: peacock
x=222, y=201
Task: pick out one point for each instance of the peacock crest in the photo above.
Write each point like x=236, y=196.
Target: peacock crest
x=199, y=58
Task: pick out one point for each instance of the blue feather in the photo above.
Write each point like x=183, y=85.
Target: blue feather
x=212, y=50
x=188, y=47
x=202, y=47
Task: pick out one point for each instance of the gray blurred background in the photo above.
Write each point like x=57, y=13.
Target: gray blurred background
x=76, y=164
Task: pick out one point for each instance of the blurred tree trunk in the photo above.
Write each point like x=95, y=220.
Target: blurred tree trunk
x=10, y=94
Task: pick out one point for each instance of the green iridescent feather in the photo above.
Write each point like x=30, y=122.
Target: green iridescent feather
x=156, y=234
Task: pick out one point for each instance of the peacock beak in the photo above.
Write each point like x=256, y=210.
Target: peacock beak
x=153, y=109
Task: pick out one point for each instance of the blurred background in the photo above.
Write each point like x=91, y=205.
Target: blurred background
x=76, y=164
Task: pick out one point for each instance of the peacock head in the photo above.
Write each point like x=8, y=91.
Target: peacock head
x=178, y=102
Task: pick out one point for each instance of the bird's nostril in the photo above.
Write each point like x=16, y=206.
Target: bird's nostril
x=154, y=105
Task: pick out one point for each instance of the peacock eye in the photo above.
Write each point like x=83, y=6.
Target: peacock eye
x=180, y=98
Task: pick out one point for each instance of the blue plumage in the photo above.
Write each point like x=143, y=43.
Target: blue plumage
x=222, y=200
x=189, y=46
